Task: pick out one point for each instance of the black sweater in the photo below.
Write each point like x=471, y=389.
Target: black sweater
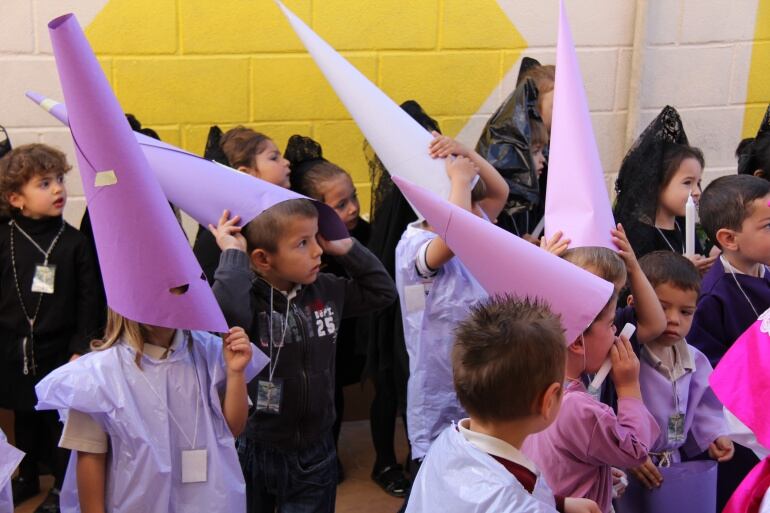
x=306, y=363
x=68, y=318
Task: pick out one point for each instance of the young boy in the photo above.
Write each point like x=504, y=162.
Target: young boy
x=674, y=380
x=735, y=214
x=508, y=367
x=577, y=453
x=292, y=313
x=50, y=306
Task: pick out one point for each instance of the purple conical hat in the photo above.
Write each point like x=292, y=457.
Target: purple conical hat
x=576, y=200
x=399, y=141
x=203, y=188
x=150, y=273
x=514, y=266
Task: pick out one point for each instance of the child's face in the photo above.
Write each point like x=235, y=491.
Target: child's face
x=538, y=159
x=43, y=196
x=679, y=308
x=753, y=240
x=271, y=166
x=598, y=340
x=685, y=182
x=340, y=194
x=298, y=257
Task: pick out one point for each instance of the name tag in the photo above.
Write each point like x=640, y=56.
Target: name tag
x=43, y=281
x=194, y=466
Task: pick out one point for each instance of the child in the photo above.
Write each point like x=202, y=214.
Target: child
x=321, y=180
x=754, y=154
x=143, y=384
x=436, y=291
x=287, y=450
x=656, y=178
x=247, y=151
x=508, y=370
x=578, y=451
x=735, y=215
x=692, y=421
x=509, y=142
x=49, y=308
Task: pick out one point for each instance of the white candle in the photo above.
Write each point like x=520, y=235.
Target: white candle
x=689, y=231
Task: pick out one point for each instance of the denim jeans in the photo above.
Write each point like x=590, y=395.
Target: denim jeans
x=289, y=481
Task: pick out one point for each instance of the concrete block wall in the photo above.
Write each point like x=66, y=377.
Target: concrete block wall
x=182, y=65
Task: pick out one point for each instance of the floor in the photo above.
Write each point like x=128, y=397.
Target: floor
x=357, y=457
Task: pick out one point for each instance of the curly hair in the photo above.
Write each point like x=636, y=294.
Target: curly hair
x=24, y=163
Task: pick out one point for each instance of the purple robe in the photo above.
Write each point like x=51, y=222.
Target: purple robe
x=723, y=312
x=704, y=420
x=429, y=324
x=144, y=463
x=577, y=451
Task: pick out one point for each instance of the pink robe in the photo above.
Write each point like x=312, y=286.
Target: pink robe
x=576, y=453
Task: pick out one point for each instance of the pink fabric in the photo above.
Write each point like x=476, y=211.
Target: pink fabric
x=576, y=200
x=576, y=453
x=143, y=252
x=741, y=380
x=505, y=264
x=748, y=497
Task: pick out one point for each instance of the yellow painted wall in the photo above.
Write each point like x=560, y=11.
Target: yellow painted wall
x=758, y=94
x=182, y=65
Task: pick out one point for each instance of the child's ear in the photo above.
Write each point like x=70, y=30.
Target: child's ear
x=249, y=171
x=630, y=300
x=759, y=173
x=551, y=399
x=576, y=347
x=260, y=259
x=15, y=200
x=726, y=239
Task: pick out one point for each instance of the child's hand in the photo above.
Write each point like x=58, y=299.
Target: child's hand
x=461, y=170
x=335, y=247
x=619, y=483
x=236, y=350
x=721, y=449
x=531, y=239
x=443, y=146
x=625, y=369
x=557, y=245
x=703, y=264
x=228, y=234
x=579, y=505
x=648, y=474
x=626, y=252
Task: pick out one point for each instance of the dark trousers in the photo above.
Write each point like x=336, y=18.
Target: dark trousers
x=37, y=434
x=731, y=473
x=382, y=421
x=285, y=481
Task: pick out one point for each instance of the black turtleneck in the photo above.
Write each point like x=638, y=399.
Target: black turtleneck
x=68, y=318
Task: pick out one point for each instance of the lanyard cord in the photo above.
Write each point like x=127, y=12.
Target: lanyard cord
x=274, y=365
x=730, y=268
x=165, y=404
x=29, y=356
x=676, y=225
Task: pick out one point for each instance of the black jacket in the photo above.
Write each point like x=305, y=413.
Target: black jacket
x=305, y=365
x=68, y=319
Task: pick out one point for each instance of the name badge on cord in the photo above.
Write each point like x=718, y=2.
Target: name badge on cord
x=269, y=396
x=44, y=279
x=194, y=466
x=676, y=428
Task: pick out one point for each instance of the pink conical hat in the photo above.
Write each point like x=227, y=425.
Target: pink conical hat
x=143, y=252
x=203, y=188
x=503, y=263
x=576, y=200
x=399, y=141
x=741, y=380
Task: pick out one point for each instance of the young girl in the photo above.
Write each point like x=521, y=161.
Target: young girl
x=315, y=177
x=577, y=452
x=152, y=413
x=247, y=151
x=436, y=291
x=658, y=175
x=754, y=153
x=49, y=306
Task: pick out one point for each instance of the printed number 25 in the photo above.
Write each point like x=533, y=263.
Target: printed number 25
x=325, y=326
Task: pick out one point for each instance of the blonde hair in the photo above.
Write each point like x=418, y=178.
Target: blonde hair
x=603, y=262
x=119, y=328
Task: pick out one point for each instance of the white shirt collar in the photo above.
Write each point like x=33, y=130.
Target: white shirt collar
x=495, y=446
x=683, y=361
x=728, y=266
x=160, y=352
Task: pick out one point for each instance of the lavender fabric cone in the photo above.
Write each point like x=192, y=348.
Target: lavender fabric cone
x=576, y=201
x=505, y=264
x=203, y=188
x=150, y=273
